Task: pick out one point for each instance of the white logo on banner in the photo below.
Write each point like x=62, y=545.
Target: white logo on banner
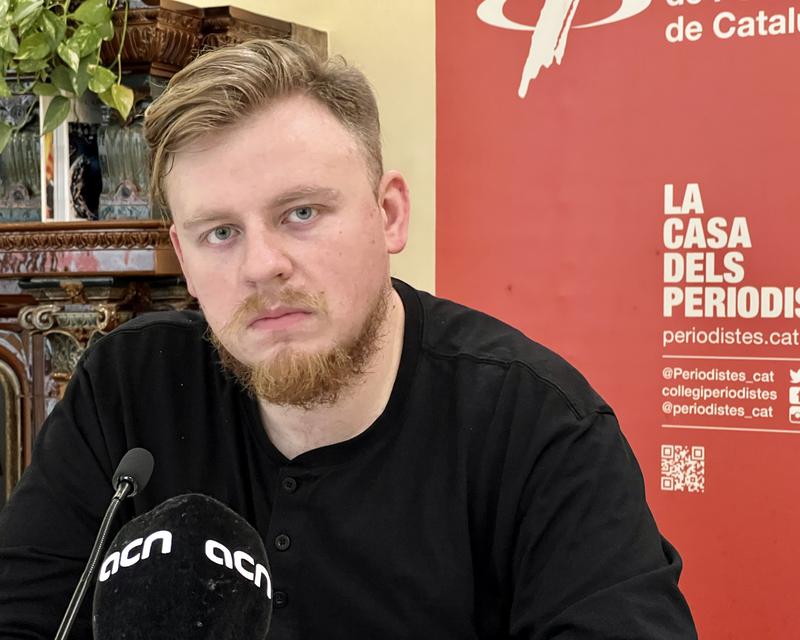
x=549, y=38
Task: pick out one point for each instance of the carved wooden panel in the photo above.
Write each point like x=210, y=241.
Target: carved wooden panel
x=62, y=286
x=35, y=249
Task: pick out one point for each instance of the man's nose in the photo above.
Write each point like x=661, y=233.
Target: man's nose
x=265, y=258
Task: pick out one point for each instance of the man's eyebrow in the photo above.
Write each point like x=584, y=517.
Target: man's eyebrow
x=203, y=219
x=304, y=193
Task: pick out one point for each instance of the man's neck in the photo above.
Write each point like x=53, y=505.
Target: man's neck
x=294, y=430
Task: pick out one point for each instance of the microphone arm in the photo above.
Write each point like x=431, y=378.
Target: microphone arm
x=131, y=476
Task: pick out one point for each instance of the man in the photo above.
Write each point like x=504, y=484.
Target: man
x=415, y=468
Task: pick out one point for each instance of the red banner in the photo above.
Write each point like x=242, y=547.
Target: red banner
x=617, y=179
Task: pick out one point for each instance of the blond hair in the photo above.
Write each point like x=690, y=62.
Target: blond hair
x=221, y=88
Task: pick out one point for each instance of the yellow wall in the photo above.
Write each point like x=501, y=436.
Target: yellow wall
x=393, y=43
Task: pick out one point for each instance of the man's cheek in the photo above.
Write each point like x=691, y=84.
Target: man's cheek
x=190, y=285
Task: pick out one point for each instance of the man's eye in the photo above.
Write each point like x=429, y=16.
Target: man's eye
x=220, y=234
x=302, y=214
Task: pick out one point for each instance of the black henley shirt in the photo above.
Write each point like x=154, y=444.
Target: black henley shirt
x=495, y=497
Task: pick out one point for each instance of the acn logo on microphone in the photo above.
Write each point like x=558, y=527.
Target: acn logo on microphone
x=127, y=557
x=140, y=549
x=549, y=37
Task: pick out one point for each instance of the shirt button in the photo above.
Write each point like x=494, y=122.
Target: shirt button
x=282, y=542
x=280, y=599
x=289, y=485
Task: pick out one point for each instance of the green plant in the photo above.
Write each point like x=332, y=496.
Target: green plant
x=52, y=48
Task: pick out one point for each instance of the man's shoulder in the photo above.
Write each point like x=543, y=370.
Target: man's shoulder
x=452, y=331
x=183, y=319
x=172, y=333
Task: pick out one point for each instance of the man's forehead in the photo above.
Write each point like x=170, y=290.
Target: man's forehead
x=294, y=124
x=289, y=115
x=300, y=141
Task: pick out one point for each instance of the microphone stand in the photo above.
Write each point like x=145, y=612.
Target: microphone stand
x=125, y=486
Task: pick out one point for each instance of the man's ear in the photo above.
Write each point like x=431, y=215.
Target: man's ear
x=395, y=205
x=176, y=244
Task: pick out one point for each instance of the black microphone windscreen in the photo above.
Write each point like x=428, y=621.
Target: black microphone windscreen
x=189, y=568
x=136, y=464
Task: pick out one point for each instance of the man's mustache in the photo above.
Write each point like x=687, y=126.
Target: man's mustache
x=257, y=302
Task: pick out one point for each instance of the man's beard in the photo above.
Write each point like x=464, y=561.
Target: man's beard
x=304, y=379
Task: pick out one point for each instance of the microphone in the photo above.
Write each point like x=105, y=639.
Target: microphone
x=189, y=568
x=134, y=469
x=132, y=475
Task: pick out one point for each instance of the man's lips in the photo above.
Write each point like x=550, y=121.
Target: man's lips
x=279, y=317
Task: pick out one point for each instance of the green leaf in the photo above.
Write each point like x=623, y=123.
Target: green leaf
x=81, y=79
x=106, y=29
x=101, y=78
x=56, y=113
x=123, y=99
x=69, y=55
x=29, y=66
x=25, y=10
x=25, y=25
x=44, y=89
x=4, y=4
x=34, y=47
x=8, y=40
x=62, y=78
x=118, y=97
x=54, y=26
x=92, y=12
x=5, y=92
x=5, y=135
x=107, y=97
x=47, y=26
x=85, y=40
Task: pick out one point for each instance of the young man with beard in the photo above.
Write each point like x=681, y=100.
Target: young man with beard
x=416, y=469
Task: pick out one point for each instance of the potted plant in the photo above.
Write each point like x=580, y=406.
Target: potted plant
x=52, y=48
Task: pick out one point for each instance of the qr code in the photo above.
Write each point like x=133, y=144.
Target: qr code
x=683, y=468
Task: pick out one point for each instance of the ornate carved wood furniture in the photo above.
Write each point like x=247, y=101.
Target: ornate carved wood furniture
x=62, y=286
x=165, y=37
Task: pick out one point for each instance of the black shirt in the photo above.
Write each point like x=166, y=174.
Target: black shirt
x=495, y=497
